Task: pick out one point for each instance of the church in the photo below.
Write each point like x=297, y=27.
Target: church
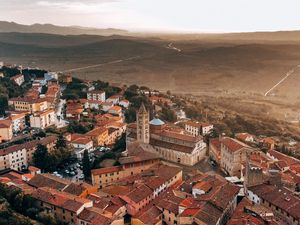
x=169, y=142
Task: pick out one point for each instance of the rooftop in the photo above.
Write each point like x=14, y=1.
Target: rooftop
x=280, y=197
x=156, y=122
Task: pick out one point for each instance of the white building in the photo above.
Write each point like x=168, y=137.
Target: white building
x=18, y=122
x=18, y=79
x=113, y=99
x=124, y=103
x=196, y=128
x=81, y=144
x=93, y=104
x=42, y=120
x=39, y=81
x=50, y=76
x=96, y=95
x=105, y=106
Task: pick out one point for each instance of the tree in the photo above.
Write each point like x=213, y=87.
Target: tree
x=40, y=155
x=3, y=104
x=75, y=127
x=44, y=89
x=46, y=218
x=61, y=142
x=62, y=152
x=43, y=160
x=168, y=114
x=86, y=164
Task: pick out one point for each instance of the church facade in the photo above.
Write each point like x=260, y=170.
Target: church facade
x=170, y=143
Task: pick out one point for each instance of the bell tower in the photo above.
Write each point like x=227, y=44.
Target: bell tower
x=143, y=128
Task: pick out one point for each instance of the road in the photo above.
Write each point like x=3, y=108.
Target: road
x=101, y=64
x=59, y=119
x=171, y=46
x=289, y=73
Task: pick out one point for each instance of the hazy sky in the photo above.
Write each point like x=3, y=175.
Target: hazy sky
x=158, y=15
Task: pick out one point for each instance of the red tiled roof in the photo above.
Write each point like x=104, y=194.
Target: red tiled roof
x=139, y=193
x=93, y=217
x=280, y=156
x=233, y=145
x=280, y=197
x=60, y=199
x=5, y=123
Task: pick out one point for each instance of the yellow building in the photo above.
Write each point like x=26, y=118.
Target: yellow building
x=28, y=104
x=99, y=135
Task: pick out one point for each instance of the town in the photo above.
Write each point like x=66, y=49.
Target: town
x=76, y=151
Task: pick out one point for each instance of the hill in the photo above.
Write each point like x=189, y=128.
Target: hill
x=210, y=66
x=53, y=29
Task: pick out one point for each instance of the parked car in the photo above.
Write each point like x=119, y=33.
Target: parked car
x=72, y=173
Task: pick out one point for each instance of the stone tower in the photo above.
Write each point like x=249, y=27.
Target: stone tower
x=143, y=128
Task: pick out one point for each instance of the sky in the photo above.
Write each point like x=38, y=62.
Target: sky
x=158, y=15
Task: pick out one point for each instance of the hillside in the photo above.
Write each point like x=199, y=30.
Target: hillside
x=202, y=66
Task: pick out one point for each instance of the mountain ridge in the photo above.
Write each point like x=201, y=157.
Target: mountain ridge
x=7, y=27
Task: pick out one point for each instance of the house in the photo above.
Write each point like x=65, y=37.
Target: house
x=42, y=119
x=18, y=157
x=18, y=79
x=148, y=186
x=53, y=91
x=247, y=213
x=215, y=149
x=105, y=106
x=6, y=130
x=80, y=189
x=124, y=103
x=280, y=200
x=113, y=99
x=39, y=81
x=50, y=181
x=196, y=128
x=93, y=104
x=268, y=142
x=18, y=121
x=130, y=165
x=214, y=204
x=115, y=110
x=245, y=137
x=64, y=206
x=105, y=120
x=96, y=95
x=81, y=144
x=74, y=110
x=92, y=216
x=99, y=136
x=233, y=154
